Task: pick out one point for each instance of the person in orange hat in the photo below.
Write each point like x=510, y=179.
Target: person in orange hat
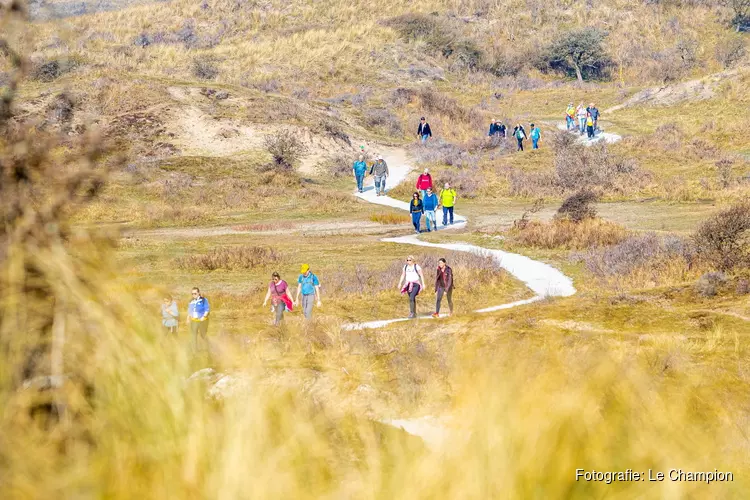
x=309, y=285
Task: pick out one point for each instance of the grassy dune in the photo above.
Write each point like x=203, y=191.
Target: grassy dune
x=645, y=368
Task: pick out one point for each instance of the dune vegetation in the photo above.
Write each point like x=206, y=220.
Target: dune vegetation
x=147, y=148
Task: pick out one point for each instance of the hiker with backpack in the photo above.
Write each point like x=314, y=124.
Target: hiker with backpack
x=430, y=204
x=309, y=285
x=278, y=292
x=410, y=283
x=535, y=135
x=360, y=170
x=570, y=116
x=424, y=182
x=423, y=131
x=447, y=200
x=197, y=317
x=520, y=134
x=379, y=171
x=581, y=115
x=443, y=286
x=416, y=209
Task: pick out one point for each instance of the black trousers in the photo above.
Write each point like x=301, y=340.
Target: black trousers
x=448, y=295
x=520, y=144
x=413, y=298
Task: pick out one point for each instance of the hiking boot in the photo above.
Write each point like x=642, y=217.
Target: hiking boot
x=412, y=316
x=435, y=315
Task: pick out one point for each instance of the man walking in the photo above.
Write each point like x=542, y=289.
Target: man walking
x=379, y=171
x=430, y=204
x=423, y=131
x=535, y=135
x=447, y=199
x=360, y=169
x=309, y=285
x=197, y=317
x=424, y=182
x=595, y=115
x=443, y=286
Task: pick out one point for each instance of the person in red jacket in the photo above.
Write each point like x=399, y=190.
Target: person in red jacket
x=424, y=181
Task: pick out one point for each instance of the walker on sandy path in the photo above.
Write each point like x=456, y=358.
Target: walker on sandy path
x=543, y=279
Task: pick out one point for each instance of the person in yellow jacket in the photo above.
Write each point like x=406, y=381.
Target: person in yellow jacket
x=570, y=116
x=447, y=200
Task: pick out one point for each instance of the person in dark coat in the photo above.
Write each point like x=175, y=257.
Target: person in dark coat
x=423, y=131
x=443, y=286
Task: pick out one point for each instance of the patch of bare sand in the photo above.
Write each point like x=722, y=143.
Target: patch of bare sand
x=197, y=132
x=668, y=95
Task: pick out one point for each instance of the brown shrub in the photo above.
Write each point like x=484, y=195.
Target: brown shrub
x=236, y=257
x=286, y=151
x=577, y=208
x=724, y=239
x=390, y=218
x=591, y=233
x=578, y=167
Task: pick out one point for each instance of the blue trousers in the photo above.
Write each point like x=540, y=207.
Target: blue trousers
x=360, y=180
x=446, y=211
x=415, y=218
x=535, y=143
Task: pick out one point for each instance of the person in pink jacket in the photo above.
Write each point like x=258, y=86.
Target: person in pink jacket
x=424, y=181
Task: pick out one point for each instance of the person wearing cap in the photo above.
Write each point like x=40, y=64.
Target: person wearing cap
x=424, y=182
x=309, y=285
x=360, y=169
x=535, y=134
x=423, y=131
x=379, y=171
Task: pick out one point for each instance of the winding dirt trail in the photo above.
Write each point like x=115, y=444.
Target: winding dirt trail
x=543, y=279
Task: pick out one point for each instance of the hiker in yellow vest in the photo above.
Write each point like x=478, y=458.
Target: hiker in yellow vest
x=447, y=200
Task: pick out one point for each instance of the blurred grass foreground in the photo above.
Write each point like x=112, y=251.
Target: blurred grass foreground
x=96, y=404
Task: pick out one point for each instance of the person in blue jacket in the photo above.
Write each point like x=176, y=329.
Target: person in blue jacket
x=430, y=204
x=360, y=169
x=535, y=135
x=197, y=317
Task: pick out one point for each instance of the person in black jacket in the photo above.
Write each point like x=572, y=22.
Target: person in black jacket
x=423, y=131
x=416, y=208
x=494, y=129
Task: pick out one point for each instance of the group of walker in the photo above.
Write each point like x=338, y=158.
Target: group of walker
x=584, y=119
x=498, y=129
x=411, y=283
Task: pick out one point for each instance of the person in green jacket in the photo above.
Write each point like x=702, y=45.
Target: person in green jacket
x=360, y=170
x=447, y=199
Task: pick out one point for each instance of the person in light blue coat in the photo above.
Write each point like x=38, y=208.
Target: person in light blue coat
x=535, y=135
x=360, y=169
x=430, y=204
